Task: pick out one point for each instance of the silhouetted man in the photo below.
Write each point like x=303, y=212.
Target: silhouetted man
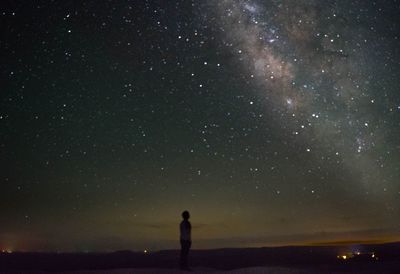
x=186, y=240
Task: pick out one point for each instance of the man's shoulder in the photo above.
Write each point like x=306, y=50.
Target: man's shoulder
x=185, y=223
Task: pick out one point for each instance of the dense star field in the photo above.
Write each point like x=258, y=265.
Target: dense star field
x=272, y=122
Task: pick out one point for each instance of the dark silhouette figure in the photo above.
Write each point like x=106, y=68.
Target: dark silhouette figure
x=186, y=240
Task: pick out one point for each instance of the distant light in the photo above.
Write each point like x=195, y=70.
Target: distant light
x=145, y=251
x=342, y=257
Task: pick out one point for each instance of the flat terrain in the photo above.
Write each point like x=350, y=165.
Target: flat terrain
x=304, y=259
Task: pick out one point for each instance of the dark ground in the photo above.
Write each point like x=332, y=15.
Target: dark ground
x=314, y=257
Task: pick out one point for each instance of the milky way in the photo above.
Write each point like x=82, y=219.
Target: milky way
x=272, y=122
x=311, y=64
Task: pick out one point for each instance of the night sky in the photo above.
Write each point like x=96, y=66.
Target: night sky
x=272, y=122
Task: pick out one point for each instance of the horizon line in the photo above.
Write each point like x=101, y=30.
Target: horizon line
x=146, y=251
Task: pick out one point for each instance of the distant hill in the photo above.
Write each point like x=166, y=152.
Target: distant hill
x=306, y=257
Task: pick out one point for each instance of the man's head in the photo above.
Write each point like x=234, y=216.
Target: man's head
x=185, y=215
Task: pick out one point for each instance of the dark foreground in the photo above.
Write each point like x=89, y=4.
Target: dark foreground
x=320, y=259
